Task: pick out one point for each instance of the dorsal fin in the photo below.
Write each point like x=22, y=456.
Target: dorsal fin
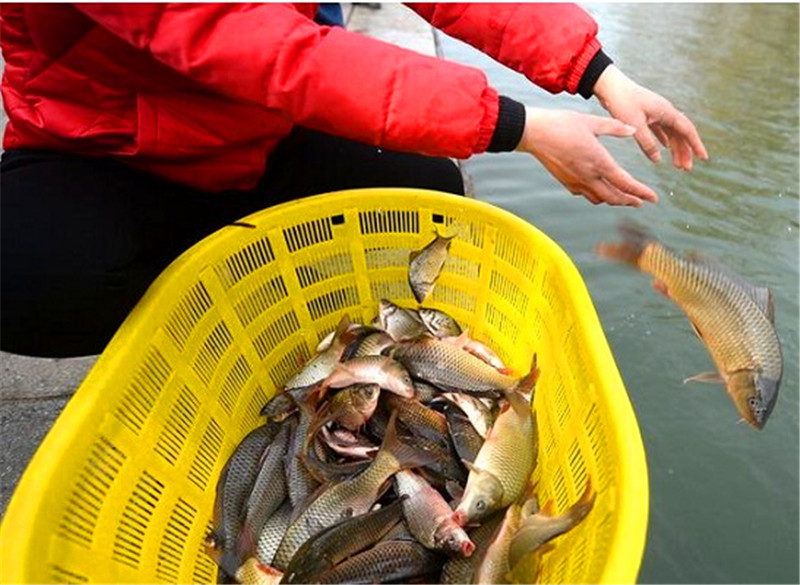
x=760, y=295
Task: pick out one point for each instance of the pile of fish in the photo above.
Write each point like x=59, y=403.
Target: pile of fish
x=402, y=450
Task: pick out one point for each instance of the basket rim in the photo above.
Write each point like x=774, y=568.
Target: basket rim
x=631, y=528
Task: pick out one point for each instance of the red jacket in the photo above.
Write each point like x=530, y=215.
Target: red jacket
x=202, y=93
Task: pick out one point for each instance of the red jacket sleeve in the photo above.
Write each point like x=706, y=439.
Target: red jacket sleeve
x=328, y=79
x=551, y=44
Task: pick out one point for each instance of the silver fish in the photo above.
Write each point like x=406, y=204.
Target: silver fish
x=425, y=266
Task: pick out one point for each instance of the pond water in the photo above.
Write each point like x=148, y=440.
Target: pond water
x=723, y=496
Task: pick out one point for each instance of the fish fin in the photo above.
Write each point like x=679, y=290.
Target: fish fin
x=706, y=377
x=549, y=508
x=696, y=330
x=661, y=287
x=584, y=505
x=413, y=254
x=760, y=295
x=471, y=466
x=528, y=382
x=454, y=490
x=517, y=402
x=635, y=238
x=406, y=455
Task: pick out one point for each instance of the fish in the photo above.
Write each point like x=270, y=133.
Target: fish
x=439, y=323
x=504, y=464
x=386, y=562
x=272, y=533
x=299, y=480
x=480, y=415
x=429, y=516
x=493, y=564
x=460, y=569
x=253, y=572
x=425, y=266
x=352, y=496
x=268, y=492
x=419, y=419
x=233, y=490
x=466, y=440
x=536, y=529
x=450, y=368
x=344, y=442
x=400, y=323
x=370, y=342
x=733, y=318
x=372, y=369
x=479, y=350
x=336, y=543
x=322, y=363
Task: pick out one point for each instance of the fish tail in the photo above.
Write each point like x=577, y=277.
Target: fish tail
x=634, y=240
x=583, y=506
x=406, y=456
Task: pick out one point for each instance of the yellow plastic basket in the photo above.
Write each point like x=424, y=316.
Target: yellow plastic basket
x=123, y=486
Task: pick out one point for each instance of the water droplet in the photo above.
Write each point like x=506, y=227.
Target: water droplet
x=672, y=193
x=789, y=228
x=780, y=194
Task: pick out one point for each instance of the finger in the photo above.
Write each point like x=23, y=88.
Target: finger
x=681, y=155
x=622, y=180
x=647, y=142
x=582, y=191
x=611, y=195
x=686, y=130
x=659, y=133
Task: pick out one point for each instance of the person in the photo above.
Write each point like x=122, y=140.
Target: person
x=135, y=130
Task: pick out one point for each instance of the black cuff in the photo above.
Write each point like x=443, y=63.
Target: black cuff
x=510, y=124
x=595, y=67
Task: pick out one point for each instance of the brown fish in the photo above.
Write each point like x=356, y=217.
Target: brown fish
x=425, y=266
x=734, y=319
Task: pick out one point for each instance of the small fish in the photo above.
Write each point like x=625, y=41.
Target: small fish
x=272, y=533
x=321, y=364
x=429, y=517
x=479, y=350
x=439, y=323
x=419, y=419
x=480, y=415
x=493, y=564
x=387, y=562
x=336, y=543
x=400, y=323
x=369, y=342
x=460, y=569
x=466, y=440
x=504, y=464
x=347, y=444
x=352, y=496
x=372, y=369
x=425, y=266
x=450, y=368
x=538, y=528
x=732, y=317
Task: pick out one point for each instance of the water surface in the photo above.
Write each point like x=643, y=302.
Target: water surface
x=723, y=497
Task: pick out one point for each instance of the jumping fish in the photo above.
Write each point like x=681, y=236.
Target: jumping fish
x=732, y=317
x=425, y=266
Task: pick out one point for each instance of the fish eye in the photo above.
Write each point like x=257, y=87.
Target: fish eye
x=480, y=505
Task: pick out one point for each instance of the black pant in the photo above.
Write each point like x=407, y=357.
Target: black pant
x=83, y=238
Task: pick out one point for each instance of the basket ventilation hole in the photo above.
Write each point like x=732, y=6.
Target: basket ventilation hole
x=324, y=268
x=59, y=574
x=307, y=234
x=147, y=383
x=256, y=303
x=258, y=399
x=388, y=221
x=333, y=302
x=237, y=377
x=89, y=491
x=214, y=347
x=136, y=516
x=275, y=333
x=185, y=316
x=238, y=266
x=288, y=364
x=178, y=426
x=173, y=544
x=206, y=456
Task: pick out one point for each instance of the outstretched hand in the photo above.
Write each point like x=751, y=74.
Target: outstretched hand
x=567, y=144
x=654, y=117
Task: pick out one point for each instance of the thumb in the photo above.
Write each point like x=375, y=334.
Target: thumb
x=612, y=127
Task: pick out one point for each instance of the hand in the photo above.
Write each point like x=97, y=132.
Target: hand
x=653, y=116
x=566, y=144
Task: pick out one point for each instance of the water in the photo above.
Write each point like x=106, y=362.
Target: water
x=723, y=497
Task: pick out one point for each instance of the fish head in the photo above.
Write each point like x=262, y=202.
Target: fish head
x=365, y=398
x=398, y=380
x=482, y=496
x=451, y=537
x=754, y=395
